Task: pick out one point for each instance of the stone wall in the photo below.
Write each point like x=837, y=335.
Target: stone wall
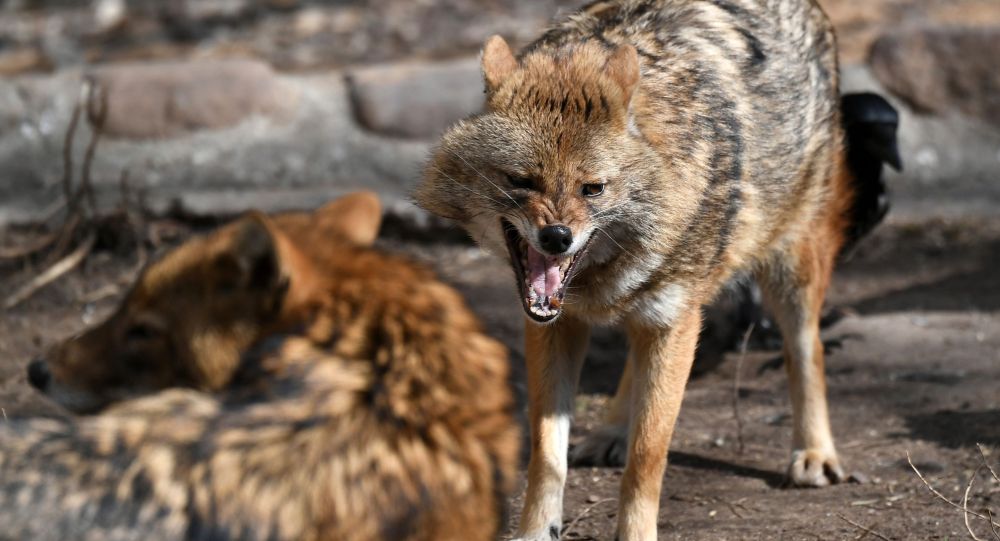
x=220, y=105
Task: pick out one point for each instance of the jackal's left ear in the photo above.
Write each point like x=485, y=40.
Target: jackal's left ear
x=251, y=260
x=623, y=69
x=498, y=62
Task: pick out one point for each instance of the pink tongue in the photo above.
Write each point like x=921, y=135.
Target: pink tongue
x=543, y=273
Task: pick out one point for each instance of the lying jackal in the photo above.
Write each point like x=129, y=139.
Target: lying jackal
x=360, y=401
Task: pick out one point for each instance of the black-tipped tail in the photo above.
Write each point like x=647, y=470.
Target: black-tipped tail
x=870, y=124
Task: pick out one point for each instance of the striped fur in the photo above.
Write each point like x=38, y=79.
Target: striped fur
x=723, y=156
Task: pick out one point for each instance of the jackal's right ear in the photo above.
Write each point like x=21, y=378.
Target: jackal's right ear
x=498, y=62
x=355, y=217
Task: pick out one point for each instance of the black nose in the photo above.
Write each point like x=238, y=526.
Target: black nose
x=556, y=239
x=38, y=374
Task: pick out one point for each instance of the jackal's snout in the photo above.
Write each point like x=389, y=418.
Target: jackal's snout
x=38, y=374
x=555, y=239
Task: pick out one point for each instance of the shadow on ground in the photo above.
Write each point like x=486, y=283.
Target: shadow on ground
x=956, y=429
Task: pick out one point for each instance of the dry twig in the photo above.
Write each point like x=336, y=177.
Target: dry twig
x=569, y=527
x=37, y=245
x=53, y=273
x=137, y=221
x=97, y=113
x=868, y=531
x=996, y=533
x=736, y=387
x=965, y=503
x=67, y=178
x=986, y=462
x=93, y=102
x=945, y=499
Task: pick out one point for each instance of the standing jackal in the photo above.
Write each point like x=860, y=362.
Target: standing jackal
x=354, y=397
x=629, y=162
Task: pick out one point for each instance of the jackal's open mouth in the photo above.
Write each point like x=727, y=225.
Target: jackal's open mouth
x=541, y=279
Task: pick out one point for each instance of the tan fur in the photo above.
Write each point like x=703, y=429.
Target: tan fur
x=191, y=314
x=368, y=406
x=714, y=130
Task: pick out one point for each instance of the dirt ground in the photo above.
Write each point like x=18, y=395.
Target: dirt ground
x=916, y=369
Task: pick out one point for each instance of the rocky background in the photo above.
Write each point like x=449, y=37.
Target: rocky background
x=222, y=104
x=215, y=106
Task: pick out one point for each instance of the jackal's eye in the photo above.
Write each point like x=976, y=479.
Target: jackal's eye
x=592, y=190
x=521, y=183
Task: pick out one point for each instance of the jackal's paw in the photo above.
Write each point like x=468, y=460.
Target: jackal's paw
x=814, y=468
x=548, y=534
x=606, y=447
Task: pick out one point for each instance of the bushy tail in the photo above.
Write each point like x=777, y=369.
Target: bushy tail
x=870, y=124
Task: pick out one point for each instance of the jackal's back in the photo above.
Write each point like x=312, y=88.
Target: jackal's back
x=739, y=99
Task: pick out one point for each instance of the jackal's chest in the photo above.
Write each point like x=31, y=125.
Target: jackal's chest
x=642, y=290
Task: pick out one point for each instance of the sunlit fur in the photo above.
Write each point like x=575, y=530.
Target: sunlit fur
x=373, y=408
x=723, y=156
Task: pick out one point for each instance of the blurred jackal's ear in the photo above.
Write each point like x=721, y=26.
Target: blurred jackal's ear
x=355, y=218
x=498, y=62
x=250, y=258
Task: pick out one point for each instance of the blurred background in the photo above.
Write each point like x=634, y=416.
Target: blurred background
x=279, y=102
x=204, y=108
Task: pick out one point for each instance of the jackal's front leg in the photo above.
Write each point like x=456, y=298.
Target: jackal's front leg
x=554, y=355
x=663, y=359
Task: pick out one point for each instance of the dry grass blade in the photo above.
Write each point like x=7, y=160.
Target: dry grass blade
x=993, y=528
x=868, y=531
x=965, y=503
x=136, y=221
x=39, y=244
x=736, y=386
x=569, y=527
x=52, y=274
x=97, y=109
x=67, y=178
x=986, y=462
x=942, y=497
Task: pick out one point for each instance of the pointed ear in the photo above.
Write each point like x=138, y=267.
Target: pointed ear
x=623, y=68
x=250, y=260
x=498, y=62
x=354, y=217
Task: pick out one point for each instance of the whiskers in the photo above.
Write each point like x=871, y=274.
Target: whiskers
x=484, y=177
x=463, y=186
x=606, y=211
x=612, y=239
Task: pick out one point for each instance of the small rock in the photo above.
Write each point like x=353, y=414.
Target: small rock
x=941, y=69
x=282, y=4
x=22, y=60
x=201, y=11
x=310, y=22
x=593, y=498
x=416, y=100
x=157, y=100
x=858, y=478
x=193, y=19
x=109, y=15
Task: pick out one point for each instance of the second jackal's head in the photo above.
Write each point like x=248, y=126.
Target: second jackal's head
x=192, y=314
x=543, y=175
